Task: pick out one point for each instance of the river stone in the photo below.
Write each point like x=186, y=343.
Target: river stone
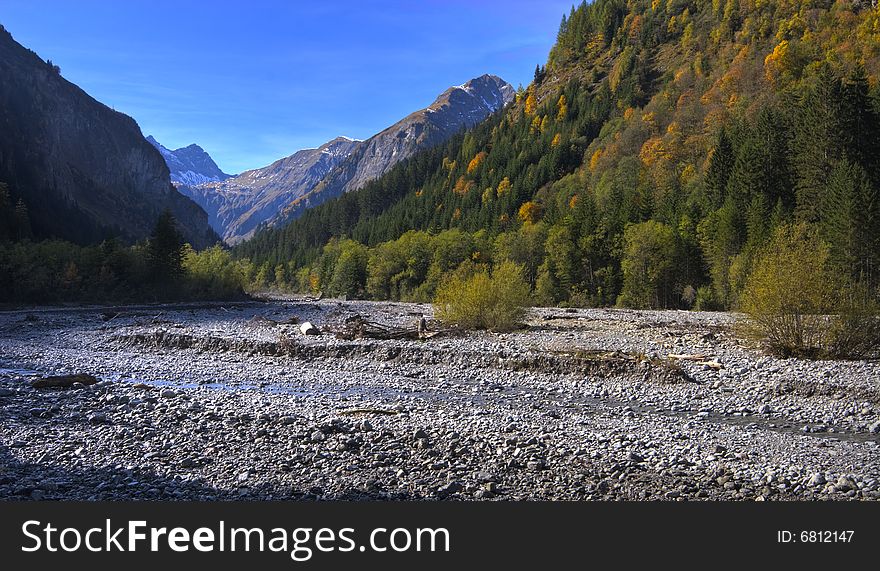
x=308, y=329
x=420, y=434
x=450, y=488
x=845, y=483
x=817, y=479
x=98, y=418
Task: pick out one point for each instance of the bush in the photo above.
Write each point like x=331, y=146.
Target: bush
x=855, y=330
x=799, y=306
x=213, y=274
x=707, y=300
x=350, y=271
x=475, y=299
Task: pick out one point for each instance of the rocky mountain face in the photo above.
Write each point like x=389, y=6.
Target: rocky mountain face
x=189, y=165
x=282, y=191
x=455, y=109
x=237, y=206
x=84, y=171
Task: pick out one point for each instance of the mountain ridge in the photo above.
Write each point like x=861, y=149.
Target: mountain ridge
x=83, y=170
x=274, y=194
x=246, y=201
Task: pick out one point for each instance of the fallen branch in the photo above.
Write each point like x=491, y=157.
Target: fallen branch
x=356, y=327
x=107, y=318
x=686, y=357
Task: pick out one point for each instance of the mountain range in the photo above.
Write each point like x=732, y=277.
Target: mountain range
x=238, y=206
x=83, y=171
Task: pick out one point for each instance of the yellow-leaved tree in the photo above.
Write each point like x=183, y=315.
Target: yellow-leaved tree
x=473, y=298
x=798, y=305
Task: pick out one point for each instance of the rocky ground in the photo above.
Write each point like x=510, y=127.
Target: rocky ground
x=231, y=402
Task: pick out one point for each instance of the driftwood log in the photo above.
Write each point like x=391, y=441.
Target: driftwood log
x=357, y=327
x=63, y=381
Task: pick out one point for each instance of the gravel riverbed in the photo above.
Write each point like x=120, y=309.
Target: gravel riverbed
x=216, y=401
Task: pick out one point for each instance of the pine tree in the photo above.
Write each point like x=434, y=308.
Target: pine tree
x=750, y=177
x=718, y=172
x=165, y=249
x=6, y=213
x=818, y=143
x=757, y=222
x=860, y=124
x=540, y=73
x=850, y=221
x=771, y=131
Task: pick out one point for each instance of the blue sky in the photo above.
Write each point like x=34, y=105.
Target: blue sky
x=254, y=81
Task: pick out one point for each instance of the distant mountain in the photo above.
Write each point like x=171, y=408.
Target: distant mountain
x=283, y=190
x=238, y=205
x=455, y=109
x=190, y=165
x=84, y=171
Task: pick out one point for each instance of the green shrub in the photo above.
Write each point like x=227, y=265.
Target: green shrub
x=707, y=300
x=350, y=270
x=213, y=274
x=855, y=330
x=475, y=299
x=799, y=306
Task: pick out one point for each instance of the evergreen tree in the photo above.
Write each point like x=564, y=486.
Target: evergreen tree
x=818, y=142
x=165, y=249
x=6, y=213
x=850, y=221
x=860, y=124
x=540, y=74
x=718, y=172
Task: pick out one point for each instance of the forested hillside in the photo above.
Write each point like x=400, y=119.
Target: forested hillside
x=646, y=165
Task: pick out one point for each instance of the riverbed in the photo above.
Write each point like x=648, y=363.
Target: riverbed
x=231, y=401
